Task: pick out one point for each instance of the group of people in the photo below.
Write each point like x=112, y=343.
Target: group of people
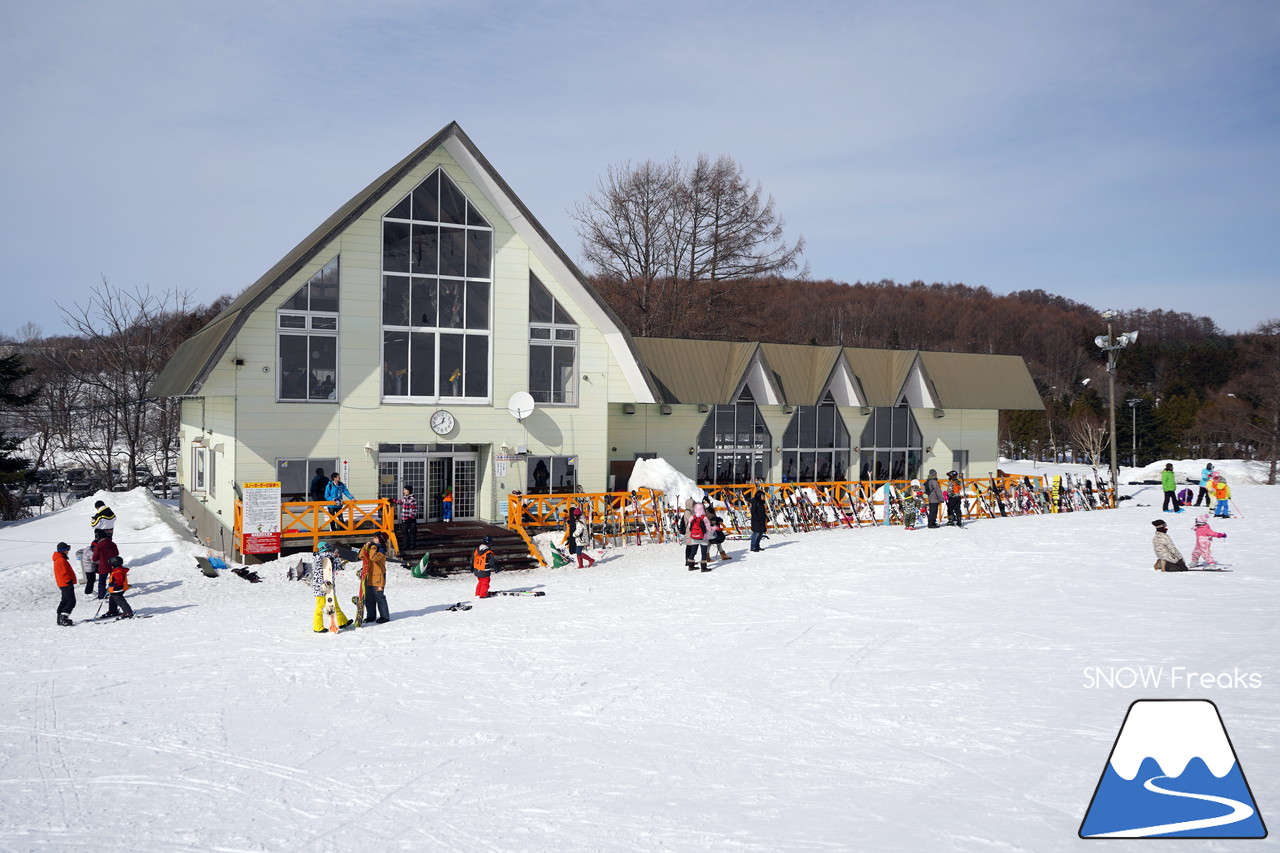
x=373, y=583
x=103, y=569
x=1169, y=558
x=1214, y=491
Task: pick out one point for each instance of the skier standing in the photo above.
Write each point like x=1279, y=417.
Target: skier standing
x=483, y=566
x=103, y=520
x=65, y=577
x=1202, y=554
x=1222, y=492
x=759, y=518
x=1205, y=476
x=116, y=605
x=933, y=493
x=318, y=588
x=955, y=495
x=1168, y=557
x=1169, y=482
x=374, y=558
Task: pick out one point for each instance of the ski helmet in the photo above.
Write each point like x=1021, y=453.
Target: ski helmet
x=323, y=546
x=952, y=474
x=486, y=540
x=115, y=562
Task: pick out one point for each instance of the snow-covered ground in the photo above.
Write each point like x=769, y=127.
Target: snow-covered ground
x=870, y=689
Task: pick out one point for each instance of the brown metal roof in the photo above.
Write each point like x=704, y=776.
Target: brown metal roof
x=695, y=371
x=802, y=371
x=880, y=372
x=202, y=348
x=977, y=381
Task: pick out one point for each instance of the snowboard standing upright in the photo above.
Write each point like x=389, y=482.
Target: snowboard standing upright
x=330, y=593
x=359, y=598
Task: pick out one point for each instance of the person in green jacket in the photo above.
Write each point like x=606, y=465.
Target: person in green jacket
x=1169, y=482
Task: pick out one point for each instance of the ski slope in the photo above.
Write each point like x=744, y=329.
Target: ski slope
x=868, y=689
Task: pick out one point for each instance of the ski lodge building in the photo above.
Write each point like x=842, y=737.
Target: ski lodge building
x=389, y=344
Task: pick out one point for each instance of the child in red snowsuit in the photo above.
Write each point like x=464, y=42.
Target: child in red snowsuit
x=482, y=566
x=1202, y=554
x=117, y=584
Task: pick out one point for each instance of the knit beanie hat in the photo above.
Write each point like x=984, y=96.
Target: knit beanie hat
x=1159, y=524
x=1203, y=519
x=63, y=546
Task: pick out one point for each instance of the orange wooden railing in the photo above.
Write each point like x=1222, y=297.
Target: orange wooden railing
x=314, y=520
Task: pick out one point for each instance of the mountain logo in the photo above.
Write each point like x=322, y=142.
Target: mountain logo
x=1173, y=773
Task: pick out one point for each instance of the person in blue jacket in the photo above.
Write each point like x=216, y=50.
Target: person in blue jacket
x=1205, y=476
x=335, y=493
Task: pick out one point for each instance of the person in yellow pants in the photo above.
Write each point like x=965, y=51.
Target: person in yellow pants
x=318, y=590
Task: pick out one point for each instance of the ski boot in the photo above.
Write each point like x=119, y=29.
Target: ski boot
x=64, y=620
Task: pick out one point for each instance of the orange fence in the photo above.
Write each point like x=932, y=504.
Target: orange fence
x=314, y=520
x=624, y=518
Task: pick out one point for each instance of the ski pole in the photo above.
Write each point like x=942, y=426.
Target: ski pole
x=1235, y=507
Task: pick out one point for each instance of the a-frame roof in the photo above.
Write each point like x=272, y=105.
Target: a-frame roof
x=977, y=381
x=194, y=360
x=695, y=371
x=802, y=371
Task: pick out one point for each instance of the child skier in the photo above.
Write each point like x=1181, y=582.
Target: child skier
x=1202, y=554
x=446, y=505
x=717, y=533
x=482, y=565
x=89, y=565
x=318, y=588
x=1168, y=557
x=912, y=497
x=695, y=535
x=117, y=584
x=577, y=535
x=955, y=499
x=1221, y=493
x=65, y=577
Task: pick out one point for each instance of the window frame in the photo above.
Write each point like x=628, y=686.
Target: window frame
x=328, y=328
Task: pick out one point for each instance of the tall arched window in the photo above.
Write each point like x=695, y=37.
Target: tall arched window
x=815, y=446
x=892, y=446
x=733, y=446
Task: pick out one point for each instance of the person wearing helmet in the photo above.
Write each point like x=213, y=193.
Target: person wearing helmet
x=955, y=495
x=118, y=582
x=324, y=551
x=105, y=550
x=65, y=577
x=482, y=564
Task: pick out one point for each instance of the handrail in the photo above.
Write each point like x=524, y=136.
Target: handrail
x=315, y=520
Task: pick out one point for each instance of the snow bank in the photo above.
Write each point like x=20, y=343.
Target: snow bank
x=658, y=474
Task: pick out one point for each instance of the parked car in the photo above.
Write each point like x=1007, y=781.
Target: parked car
x=33, y=499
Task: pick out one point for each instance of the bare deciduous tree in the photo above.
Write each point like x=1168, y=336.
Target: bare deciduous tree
x=656, y=231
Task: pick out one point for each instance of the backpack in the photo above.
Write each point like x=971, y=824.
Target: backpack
x=698, y=527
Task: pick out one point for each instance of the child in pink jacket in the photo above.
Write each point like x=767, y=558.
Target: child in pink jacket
x=1202, y=554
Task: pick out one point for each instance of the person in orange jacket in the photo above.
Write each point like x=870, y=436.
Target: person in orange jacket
x=116, y=585
x=482, y=566
x=65, y=577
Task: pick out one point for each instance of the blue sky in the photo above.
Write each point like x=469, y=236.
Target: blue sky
x=1125, y=155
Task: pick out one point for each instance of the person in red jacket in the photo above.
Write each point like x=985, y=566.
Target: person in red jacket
x=65, y=577
x=118, y=582
x=105, y=550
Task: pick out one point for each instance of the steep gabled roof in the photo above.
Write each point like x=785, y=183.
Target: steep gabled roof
x=976, y=381
x=881, y=372
x=803, y=371
x=195, y=359
x=696, y=371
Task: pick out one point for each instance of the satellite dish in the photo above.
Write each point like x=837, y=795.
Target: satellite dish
x=520, y=405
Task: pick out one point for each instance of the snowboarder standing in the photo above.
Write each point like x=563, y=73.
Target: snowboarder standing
x=103, y=520
x=933, y=494
x=1202, y=554
x=318, y=589
x=1168, y=557
x=759, y=518
x=65, y=577
x=374, y=557
x=483, y=566
x=119, y=580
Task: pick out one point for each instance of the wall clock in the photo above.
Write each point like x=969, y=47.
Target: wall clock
x=442, y=423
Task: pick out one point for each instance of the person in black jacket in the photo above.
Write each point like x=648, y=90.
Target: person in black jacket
x=933, y=494
x=315, y=492
x=759, y=519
